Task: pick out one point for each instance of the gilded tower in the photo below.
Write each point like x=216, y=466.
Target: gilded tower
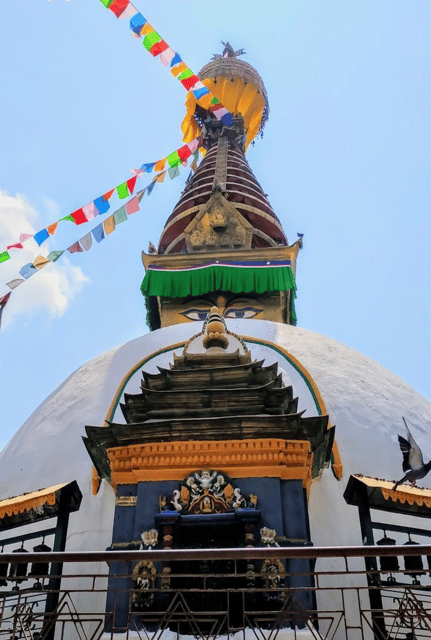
x=223, y=244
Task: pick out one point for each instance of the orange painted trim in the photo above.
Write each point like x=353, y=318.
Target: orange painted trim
x=259, y=457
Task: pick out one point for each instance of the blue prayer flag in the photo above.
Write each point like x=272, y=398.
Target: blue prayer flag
x=27, y=270
x=41, y=236
x=150, y=188
x=176, y=60
x=137, y=22
x=148, y=167
x=98, y=232
x=101, y=205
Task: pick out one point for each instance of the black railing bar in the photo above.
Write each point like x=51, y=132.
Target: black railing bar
x=43, y=533
x=255, y=553
x=400, y=529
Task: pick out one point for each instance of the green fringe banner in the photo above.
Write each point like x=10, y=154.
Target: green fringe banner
x=202, y=279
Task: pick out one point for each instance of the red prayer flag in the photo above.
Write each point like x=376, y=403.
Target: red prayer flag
x=118, y=6
x=74, y=248
x=131, y=184
x=158, y=48
x=15, y=246
x=79, y=216
x=184, y=153
x=188, y=83
x=107, y=195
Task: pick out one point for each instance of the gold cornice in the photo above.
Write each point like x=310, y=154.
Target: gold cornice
x=255, y=458
x=190, y=259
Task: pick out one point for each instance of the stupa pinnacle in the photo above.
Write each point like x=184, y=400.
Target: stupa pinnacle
x=223, y=235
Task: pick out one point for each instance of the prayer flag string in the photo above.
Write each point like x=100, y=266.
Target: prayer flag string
x=101, y=204
x=98, y=233
x=157, y=47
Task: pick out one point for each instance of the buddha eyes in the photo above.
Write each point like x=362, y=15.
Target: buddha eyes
x=232, y=312
x=241, y=312
x=196, y=314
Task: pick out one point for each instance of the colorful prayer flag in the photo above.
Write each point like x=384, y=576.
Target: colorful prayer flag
x=101, y=205
x=68, y=217
x=160, y=165
x=132, y=206
x=184, y=153
x=122, y=190
x=131, y=182
x=53, y=256
x=151, y=39
x=174, y=159
x=75, y=248
x=158, y=48
x=24, y=236
x=108, y=194
x=90, y=210
x=109, y=225
x=147, y=168
x=3, y=302
x=98, y=232
x=129, y=12
x=137, y=22
x=41, y=236
x=52, y=228
x=118, y=6
x=167, y=56
x=120, y=215
x=86, y=241
x=150, y=187
x=27, y=270
x=4, y=255
x=174, y=172
x=15, y=246
x=40, y=261
x=79, y=216
x=15, y=283
x=193, y=145
x=160, y=177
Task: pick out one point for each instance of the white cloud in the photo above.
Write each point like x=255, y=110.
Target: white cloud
x=55, y=285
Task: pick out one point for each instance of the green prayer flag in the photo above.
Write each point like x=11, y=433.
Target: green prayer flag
x=174, y=159
x=106, y=2
x=122, y=191
x=215, y=101
x=4, y=256
x=69, y=217
x=54, y=255
x=120, y=215
x=151, y=39
x=187, y=73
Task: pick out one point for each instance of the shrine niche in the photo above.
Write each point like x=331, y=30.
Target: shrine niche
x=207, y=491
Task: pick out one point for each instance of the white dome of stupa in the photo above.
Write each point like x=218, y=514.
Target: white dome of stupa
x=364, y=400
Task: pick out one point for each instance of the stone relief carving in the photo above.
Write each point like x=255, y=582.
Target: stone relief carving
x=207, y=491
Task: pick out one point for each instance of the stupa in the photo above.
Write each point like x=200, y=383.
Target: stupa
x=220, y=422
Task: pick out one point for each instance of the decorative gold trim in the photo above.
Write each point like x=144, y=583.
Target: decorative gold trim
x=258, y=458
x=190, y=259
x=27, y=501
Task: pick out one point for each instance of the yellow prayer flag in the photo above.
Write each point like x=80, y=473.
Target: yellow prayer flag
x=109, y=225
x=160, y=177
x=147, y=28
x=52, y=228
x=160, y=165
x=179, y=69
x=40, y=262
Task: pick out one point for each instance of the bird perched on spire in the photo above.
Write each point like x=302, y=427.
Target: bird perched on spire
x=228, y=52
x=413, y=462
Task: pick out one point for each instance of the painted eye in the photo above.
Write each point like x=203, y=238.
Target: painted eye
x=241, y=312
x=196, y=314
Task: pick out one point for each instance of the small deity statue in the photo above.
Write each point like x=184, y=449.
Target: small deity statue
x=267, y=537
x=205, y=478
x=150, y=538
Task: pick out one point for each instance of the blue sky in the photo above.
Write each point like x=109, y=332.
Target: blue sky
x=345, y=160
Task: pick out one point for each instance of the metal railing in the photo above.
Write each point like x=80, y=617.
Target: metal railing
x=321, y=593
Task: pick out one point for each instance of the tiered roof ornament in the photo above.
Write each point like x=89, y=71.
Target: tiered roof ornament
x=223, y=234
